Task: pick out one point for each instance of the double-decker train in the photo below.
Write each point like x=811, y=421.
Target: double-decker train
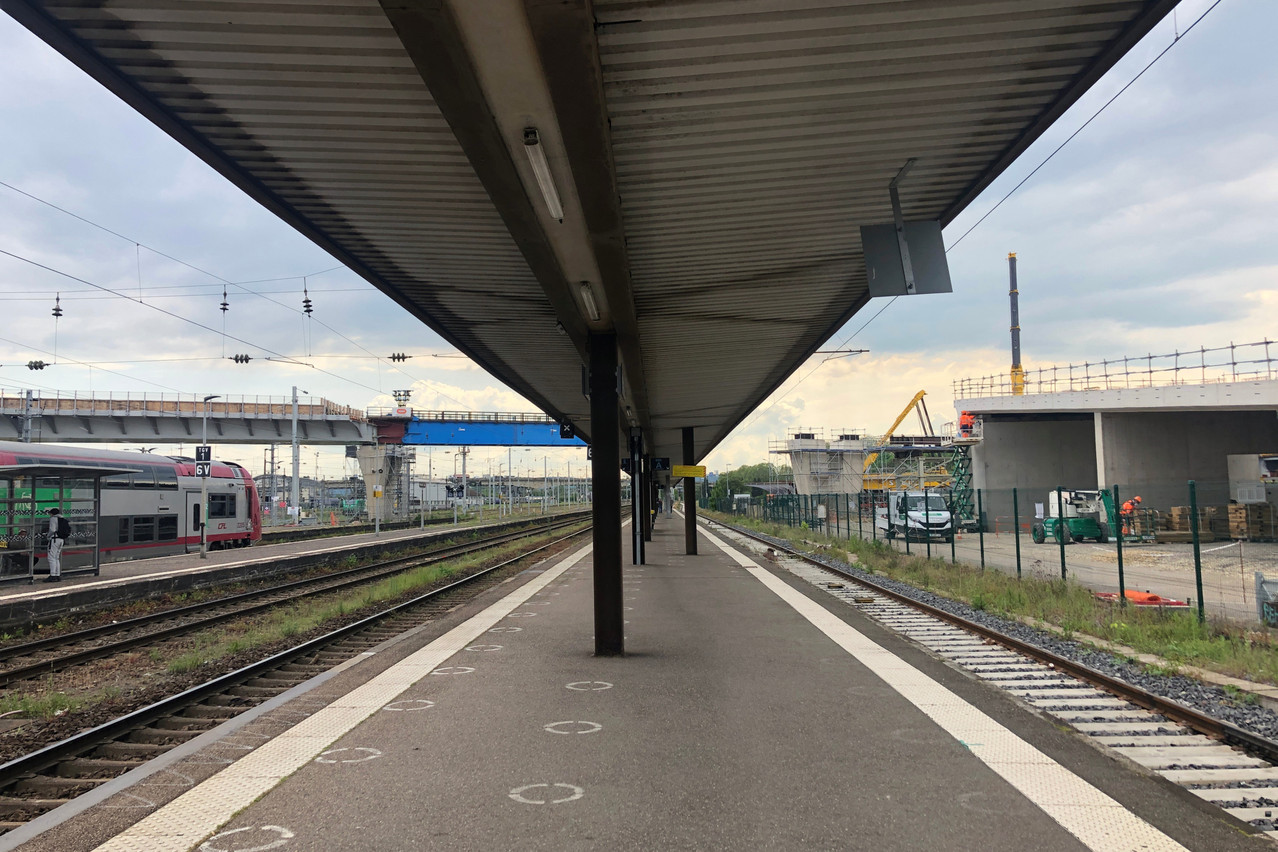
x=155, y=508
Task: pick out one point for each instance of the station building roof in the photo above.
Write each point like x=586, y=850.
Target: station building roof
x=713, y=158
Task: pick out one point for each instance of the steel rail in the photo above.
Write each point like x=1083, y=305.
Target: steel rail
x=328, y=583
x=83, y=741
x=11, y=651
x=1191, y=718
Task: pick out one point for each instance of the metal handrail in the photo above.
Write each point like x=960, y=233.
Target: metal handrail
x=170, y=405
x=1241, y=362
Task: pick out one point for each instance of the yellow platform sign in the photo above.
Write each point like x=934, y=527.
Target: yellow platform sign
x=682, y=471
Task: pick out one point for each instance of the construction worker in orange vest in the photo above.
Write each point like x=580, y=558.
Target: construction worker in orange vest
x=1128, y=513
x=967, y=421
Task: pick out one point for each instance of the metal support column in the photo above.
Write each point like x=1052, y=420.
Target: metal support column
x=606, y=487
x=647, y=497
x=636, y=498
x=689, y=497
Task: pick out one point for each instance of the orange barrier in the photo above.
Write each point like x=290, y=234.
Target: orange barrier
x=1141, y=598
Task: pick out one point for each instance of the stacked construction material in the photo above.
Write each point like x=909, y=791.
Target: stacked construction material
x=1178, y=527
x=1252, y=521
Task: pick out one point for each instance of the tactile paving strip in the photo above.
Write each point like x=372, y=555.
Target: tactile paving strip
x=1097, y=820
x=1150, y=740
x=204, y=808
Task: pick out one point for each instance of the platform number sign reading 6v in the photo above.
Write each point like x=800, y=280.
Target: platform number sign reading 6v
x=203, y=461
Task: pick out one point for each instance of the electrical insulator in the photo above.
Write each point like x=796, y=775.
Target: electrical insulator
x=306, y=301
x=242, y=359
x=36, y=365
x=399, y=356
x=57, y=306
x=225, y=304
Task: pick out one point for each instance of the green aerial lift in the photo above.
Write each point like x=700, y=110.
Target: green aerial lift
x=1085, y=515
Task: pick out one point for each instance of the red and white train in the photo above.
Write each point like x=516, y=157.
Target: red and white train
x=155, y=509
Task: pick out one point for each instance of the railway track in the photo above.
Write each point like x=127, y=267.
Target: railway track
x=55, y=653
x=1212, y=758
x=45, y=779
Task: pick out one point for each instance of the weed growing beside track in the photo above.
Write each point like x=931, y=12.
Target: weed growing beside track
x=184, y=662
x=1174, y=635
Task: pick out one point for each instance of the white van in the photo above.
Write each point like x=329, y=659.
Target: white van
x=907, y=515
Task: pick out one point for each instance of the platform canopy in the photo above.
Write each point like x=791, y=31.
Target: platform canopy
x=714, y=159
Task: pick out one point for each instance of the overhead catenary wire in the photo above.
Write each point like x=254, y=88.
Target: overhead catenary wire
x=138, y=245
x=179, y=317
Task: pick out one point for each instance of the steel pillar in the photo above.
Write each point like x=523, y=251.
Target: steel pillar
x=689, y=497
x=636, y=500
x=647, y=497
x=605, y=425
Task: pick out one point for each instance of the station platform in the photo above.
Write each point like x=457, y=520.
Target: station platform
x=129, y=580
x=751, y=711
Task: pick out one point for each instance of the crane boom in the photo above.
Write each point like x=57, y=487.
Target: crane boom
x=905, y=412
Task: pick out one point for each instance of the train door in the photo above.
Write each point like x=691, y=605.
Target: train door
x=191, y=523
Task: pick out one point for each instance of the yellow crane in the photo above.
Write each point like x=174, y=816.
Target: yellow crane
x=916, y=404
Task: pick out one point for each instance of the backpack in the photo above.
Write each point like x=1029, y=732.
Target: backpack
x=64, y=527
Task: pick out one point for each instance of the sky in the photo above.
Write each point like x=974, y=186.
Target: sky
x=1151, y=231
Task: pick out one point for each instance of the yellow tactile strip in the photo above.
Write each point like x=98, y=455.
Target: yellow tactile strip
x=193, y=816
x=1100, y=822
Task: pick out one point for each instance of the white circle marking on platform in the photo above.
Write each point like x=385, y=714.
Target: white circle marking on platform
x=448, y=670
x=283, y=835
x=410, y=704
x=504, y=629
x=521, y=615
x=484, y=647
x=590, y=685
x=590, y=727
x=575, y=793
x=367, y=754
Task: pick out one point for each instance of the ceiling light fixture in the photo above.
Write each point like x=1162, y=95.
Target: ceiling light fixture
x=541, y=170
x=588, y=300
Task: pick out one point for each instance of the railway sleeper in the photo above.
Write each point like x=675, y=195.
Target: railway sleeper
x=127, y=751
x=235, y=702
x=160, y=736
x=272, y=682
x=93, y=768
x=26, y=809
x=52, y=787
x=184, y=723
x=245, y=691
x=212, y=712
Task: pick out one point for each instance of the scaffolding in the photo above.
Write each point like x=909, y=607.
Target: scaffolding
x=824, y=466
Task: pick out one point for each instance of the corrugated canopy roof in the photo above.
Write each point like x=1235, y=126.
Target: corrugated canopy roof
x=714, y=157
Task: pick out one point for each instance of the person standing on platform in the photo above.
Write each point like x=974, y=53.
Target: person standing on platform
x=58, y=531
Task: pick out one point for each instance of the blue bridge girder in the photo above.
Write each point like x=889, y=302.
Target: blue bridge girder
x=468, y=429
x=437, y=433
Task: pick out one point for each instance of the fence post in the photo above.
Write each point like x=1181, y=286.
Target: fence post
x=980, y=526
x=1122, y=588
x=1016, y=532
x=927, y=515
x=874, y=518
x=860, y=516
x=1198, y=557
x=1061, y=520
x=953, y=532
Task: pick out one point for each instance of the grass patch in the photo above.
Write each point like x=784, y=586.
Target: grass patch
x=305, y=616
x=41, y=707
x=1175, y=636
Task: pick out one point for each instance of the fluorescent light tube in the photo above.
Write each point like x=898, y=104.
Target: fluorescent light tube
x=541, y=170
x=588, y=300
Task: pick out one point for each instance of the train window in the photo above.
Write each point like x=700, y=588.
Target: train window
x=143, y=528
x=168, y=528
x=144, y=478
x=117, y=480
x=221, y=505
x=166, y=477
x=124, y=531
